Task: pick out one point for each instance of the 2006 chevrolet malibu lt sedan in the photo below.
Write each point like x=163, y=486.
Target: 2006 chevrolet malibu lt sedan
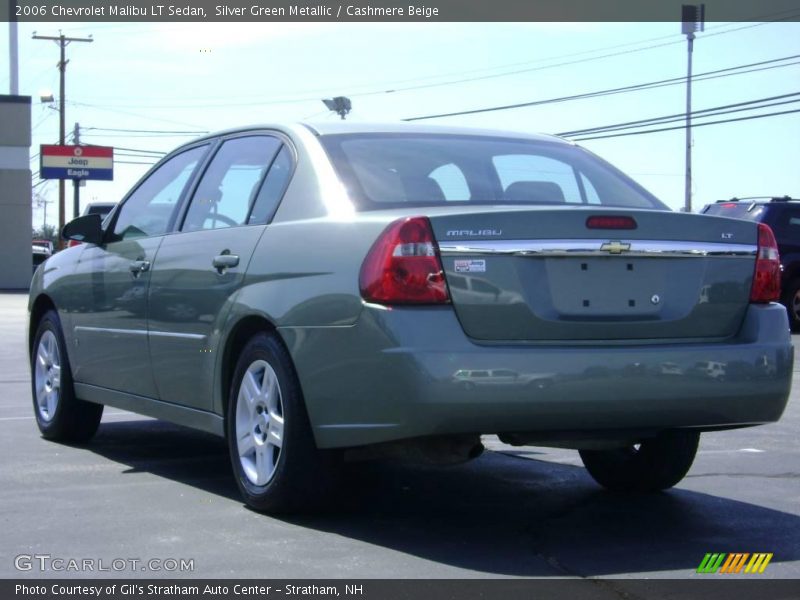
x=319, y=293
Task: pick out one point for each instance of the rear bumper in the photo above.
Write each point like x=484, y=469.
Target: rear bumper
x=411, y=372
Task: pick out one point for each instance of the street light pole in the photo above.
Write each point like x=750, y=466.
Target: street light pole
x=693, y=19
x=62, y=41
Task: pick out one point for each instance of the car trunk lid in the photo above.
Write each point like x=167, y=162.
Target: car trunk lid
x=542, y=274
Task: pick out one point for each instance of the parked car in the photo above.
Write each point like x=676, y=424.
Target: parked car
x=289, y=288
x=46, y=244
x=782, y=214
x=42, y=250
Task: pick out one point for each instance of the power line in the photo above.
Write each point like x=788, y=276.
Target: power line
x=133, y=162
x=141, y=135
x=156, y=152
x=43, y=120
x=418, y=86
x=726, y=72
x=601, y=137
x=160, y=131
x=133, y=114
x=682, y=117
x=706, y=112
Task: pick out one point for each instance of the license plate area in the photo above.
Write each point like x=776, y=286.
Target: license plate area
x=605, y=287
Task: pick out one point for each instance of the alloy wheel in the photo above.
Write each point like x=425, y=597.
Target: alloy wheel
x=47, y=376
x=259, y=422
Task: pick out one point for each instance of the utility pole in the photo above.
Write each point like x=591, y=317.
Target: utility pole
x=693, y=18
x=41, y=201
x=62, y=41
x=76, y=183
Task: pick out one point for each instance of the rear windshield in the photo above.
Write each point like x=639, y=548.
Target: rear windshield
x=396, y=170
x=736, y=210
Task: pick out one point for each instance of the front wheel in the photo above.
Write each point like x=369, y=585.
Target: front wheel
x=277, y=465
x=655, y=464
x=59, y=414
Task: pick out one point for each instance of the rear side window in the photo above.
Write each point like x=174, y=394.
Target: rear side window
x=383, y=170
x=273, y=187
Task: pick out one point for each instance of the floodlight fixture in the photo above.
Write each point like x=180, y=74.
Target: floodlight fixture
x=341, y=105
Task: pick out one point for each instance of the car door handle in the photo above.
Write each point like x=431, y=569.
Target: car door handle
x=138, y=267
x=225, y=261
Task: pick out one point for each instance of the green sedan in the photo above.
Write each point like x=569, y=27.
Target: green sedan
x=320, y=293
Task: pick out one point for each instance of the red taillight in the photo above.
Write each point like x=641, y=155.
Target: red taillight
x=767, y=276
x=403, y=266
x=610, y=222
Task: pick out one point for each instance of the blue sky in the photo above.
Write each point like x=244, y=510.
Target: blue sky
x=211, y=76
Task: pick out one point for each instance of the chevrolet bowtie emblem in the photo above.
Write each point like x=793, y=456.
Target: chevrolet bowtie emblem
x=615, y=247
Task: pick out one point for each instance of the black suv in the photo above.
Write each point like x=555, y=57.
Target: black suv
x=783, y=216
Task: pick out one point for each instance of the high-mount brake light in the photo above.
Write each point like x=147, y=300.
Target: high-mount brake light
x=403, y=266
x=610, y=222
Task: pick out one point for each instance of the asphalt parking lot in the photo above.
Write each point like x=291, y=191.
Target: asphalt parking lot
x=146, y=489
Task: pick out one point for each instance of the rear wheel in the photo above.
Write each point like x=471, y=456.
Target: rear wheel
x=59, y=414
x=277, y=465
x=655, y=464
x=791, y=300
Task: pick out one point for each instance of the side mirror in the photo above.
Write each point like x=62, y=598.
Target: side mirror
x=84, y=229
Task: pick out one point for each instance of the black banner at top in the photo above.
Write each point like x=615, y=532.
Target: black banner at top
x=198, y=11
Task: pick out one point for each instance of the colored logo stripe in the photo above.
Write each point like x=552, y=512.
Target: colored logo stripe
x=711, y=563
x=734, y=562
x=758, y=563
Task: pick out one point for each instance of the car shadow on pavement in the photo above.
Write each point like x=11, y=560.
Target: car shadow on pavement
x=170, y=451
x=499, y=514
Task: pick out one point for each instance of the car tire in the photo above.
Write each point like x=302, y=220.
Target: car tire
x=276, y=463
x=791, y=300
x=59, y=414
x=655, y=464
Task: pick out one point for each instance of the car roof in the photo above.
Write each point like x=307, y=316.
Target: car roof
x=355, y=127
x=338, y=127
x=759, y=200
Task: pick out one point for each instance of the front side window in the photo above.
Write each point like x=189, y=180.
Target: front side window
x=148, y=210
x=393, y=170
x=228, y=187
